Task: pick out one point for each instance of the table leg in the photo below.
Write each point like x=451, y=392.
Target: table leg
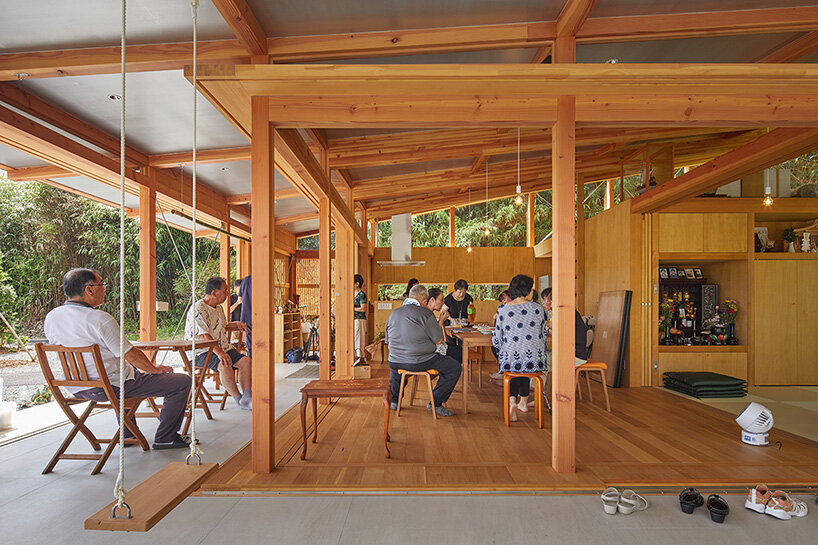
x=463, y=375
x=315, y=419
x=304, y=424
x=386, y=402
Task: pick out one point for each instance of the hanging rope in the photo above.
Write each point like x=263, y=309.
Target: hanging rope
x=119, y=487
x=195, y=451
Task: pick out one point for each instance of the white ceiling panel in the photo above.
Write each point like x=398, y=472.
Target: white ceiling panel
x=108, y=193
x=66, y=24
x=14, y=158
x=620, y=8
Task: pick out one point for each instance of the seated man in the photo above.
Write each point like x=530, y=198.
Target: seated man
x=206, y=321
x=78, y=323
x=412, y=333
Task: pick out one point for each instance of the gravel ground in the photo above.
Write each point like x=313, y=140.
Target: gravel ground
x=22, y=379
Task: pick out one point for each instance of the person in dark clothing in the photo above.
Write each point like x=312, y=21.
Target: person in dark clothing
x=235, y=302
x=456, y=307
x=246, y=316
x=580, y=329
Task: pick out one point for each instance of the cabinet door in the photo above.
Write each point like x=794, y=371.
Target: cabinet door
x=725, y=232
x=807, y=297
x=680, y=232
x=776, y=323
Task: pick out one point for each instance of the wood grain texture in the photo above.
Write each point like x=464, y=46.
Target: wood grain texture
x=776, y=321
x=630, y=446
x=147, y=264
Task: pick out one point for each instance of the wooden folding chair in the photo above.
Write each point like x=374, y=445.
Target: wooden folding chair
x=76, y=375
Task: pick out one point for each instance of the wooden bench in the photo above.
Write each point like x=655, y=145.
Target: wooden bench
x=344, y=388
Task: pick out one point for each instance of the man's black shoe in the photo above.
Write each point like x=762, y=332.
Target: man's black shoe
x=178, y=442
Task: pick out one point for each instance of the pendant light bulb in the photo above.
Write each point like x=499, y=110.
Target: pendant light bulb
x=768, y=197
x=487, y=231
x=469, y=248
x=519, y=199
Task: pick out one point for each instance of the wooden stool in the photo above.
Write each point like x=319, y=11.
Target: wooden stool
x=538, y=394
x=588, y=367
x=428, y=374
x=475, y=356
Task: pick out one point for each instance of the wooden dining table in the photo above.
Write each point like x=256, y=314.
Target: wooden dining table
x=152, y=348
x=469, y=338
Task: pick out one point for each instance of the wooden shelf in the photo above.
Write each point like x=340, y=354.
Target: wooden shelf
x=785, y=256
x=671, y=258
x=739, y=348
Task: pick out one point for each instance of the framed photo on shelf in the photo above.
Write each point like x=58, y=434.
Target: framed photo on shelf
x=671, y=272
x=663, y=273
x=698, y=272
x=689, y=274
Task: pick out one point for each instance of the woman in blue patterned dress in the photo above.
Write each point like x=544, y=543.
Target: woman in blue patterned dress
x=519, y=340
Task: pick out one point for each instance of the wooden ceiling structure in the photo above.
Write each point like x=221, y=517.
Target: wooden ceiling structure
x=440, y=126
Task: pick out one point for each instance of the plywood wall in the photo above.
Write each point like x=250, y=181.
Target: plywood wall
x=446, y=265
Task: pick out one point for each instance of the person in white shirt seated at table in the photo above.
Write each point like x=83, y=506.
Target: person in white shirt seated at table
x=79, y=323
x=206, y=321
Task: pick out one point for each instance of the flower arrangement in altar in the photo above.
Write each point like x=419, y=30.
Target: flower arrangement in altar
x=666, y=311
x=730, y=310
x=717, y=321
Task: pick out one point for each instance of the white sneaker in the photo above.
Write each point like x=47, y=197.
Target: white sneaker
x=782, y=506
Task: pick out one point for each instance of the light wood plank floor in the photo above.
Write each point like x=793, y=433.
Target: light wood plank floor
x=652, y=438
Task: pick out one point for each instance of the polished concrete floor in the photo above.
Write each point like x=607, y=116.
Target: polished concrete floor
x=50, y=509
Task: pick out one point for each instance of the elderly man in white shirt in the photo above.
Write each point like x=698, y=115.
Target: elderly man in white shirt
x=206, y=321
x=79, y=323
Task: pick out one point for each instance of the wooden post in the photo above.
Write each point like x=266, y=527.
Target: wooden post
x=224, y=265
x=609, y=194
x=451, y=227
x=293, y=276
x=529, y=224
x=263, y=245
x=324, y=289
x=564, y=181
x=344, y=349
x=147, y=264
x=580, y=246
x=243, y=259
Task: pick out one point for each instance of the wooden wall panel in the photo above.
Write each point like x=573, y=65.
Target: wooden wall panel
x=681, y=232
x=729, y=363
x=607, y=254
x=724, y=232
x=383, y=275
x=542, y=266
x=439, y=266
x=482, y=266
x=807, y=297
x=776, y=322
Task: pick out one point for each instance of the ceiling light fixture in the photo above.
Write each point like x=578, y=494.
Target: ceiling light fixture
x=224, y=169
x=519, y=199
x=115, y=98
x=768, y=197
x=612, y=61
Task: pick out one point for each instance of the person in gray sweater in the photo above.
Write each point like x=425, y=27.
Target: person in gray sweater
x=413, y=334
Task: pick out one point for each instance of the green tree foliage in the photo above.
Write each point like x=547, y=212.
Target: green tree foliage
x=45, y=231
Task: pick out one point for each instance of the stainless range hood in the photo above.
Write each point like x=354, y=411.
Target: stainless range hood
x=402, y=243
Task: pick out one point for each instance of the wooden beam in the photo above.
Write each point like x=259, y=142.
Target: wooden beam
x=541, y=54
x=792, y=50
x=129, y=211
x=307, y=173
x=289, y=220
x=244, y=25
x=767, y=150
x=705, y=23
x=206, y=156
x=52, y=115
x=344, y=262
x=263, y=224
x=281, y=194
x=26, y=174
x=147, y=264
x=451, y=227
x=573, y=16
x=325, y=289
x=530, y=214
x=580, y=245
x=106, y=60
x=224, y=266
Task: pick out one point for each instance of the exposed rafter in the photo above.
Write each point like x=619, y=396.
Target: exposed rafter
x=244, y=25
x=573, y=16
x=792, y=50
x=185, y=158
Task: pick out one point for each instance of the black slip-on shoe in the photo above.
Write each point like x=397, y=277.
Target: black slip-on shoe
x=718, y=508
x=178, y=442
x=690, y=499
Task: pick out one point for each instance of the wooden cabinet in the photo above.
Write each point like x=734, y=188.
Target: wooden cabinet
x=726, y=360
x=707, y=233
x=786, y=322
x=287, y=334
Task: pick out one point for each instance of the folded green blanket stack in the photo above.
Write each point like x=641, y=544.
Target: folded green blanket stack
x=703, y=384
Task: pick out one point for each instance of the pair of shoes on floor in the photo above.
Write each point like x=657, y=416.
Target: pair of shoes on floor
x=777, y=504
x=177, y=442
x=440, y=410
x=246, y=400
x=626, y=503
x=690, y=499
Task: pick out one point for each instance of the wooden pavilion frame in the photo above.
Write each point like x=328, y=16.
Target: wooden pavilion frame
x=562, y=106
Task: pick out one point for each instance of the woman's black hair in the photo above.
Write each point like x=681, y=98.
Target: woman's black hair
x=412, y=282
x=546, y=293
x=520, y=286
x=358, y=279
x=500, y=297
x=534, y=297
x=434, y=293
x=461, y=284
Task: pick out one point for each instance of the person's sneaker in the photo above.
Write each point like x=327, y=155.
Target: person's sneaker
x=758, y=498
x=178, y=442
x=441, y=411
x=246, y=401
x=782, y=506
x=393, y=405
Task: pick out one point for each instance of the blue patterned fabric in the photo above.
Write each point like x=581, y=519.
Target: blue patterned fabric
x=519, y=339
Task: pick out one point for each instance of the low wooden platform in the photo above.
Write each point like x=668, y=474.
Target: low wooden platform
x=651, y=438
